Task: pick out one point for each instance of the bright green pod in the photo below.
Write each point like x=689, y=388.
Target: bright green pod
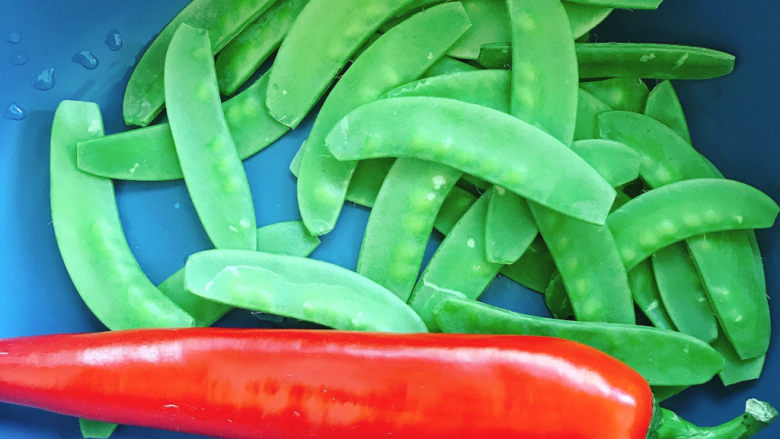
x=223, y=19
x=736, y=370
x=401, y=222
x=96, y=429
x=629, y=94
x=583, y=18
x=588, y=109
x=454, y=207
x=319, y=43
x=534, y=269
x=686, y=360
x=367, y=180
x=149, y=154
x=620, y=4
x=509, y=228
x=664, y=106
x=458, y=268
x=523, y=158
x=666, y=157
x=300, y=288
x=446, y=65
x=90, y=235
x=244, y=54
x=630, y=60
x=557, y=298
x=682, y=292
x=212, y=170
x=397, y=57
x=646, y=296
x=615, y=161
x=488, y=88
x=489, y=24
x=285, y=238
x=662, y=393
x=678, y=211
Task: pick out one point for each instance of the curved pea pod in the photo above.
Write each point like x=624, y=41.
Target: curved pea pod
x=583, y=18
x=629, y=94
x=367, y=180
x=666, y=157
x=686, y=360
x=459, y=266
x=402, y=54
x=684, y=209
x=664, y=106
x=244, y=54
x=90, y=236
x=489, y=23
x=588, y=109
x=534, y=269
x=223, y=19
x=683, y=294
x=488, y=88
x=149, y=153
x=615, y=161
x=212, y=170
x=96, y=429
x=531, y=169
x=621, y=4
x=300, y=288
x=319, y=43
x=457, y=203
x=509, y=228
x=736, y=370
x=401, y=221
x=285, y=238
x=646, y=296
x=446, y=65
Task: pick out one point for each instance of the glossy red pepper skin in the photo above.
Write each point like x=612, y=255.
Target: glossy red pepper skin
x=239, y=383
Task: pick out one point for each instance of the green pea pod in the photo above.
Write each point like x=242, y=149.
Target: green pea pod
x=557, y=298
x=488, y=88
x=454, y=207
x=319, y=43
x=446, y=65
x=683, y=294
x=758, y=415
x=534, y=269
x=149, y=153
x=662, y=393
x=286, y=238
x=615, y=161
x=509, y=228
x=664, y=106
x=622, y=4
x=300, y=288
x=90, y=236
x=212, y=170
x=223, y=19
x=489, y=23
x=630, y=60
x=401, y=221
x=686, y=360
x=646, y=295
x=736, y=370
x=244, y=54
x=530, y=170
x=459, y=266
x=583, y=18
x=399, y=56
x=629, y=94
x=96, y=429
x=684, y=209
x=588, y=109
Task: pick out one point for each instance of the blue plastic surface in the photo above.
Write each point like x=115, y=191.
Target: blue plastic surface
x=734, y=122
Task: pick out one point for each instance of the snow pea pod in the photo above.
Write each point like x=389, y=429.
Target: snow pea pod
x=531, y=170
x=96, y=429
x=212, y=170
x=401, y=221
x=736, y=370
x=646, y=295
x=300, y=288
x=588, y=109
x=488, y=88
x=459, y=266
x=509, y=228
x=534, y=269
x=149, y=153
x=446, y=65
x=664, y=106
x=239, y=59
x=285, y=238
x=684, y=209
x=583, y=18
x=686, y=360
x=629, y=94
x=682, y=293
x=615, y=161
x=223, y=19
x=630, y=60
x=454, y=207
x=399, y=56
x=621, y=4
x=367, y=180
x=489, y=24
x=319, y=43
x=90, y=236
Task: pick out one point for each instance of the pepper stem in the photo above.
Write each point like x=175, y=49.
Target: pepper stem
x=758, y=414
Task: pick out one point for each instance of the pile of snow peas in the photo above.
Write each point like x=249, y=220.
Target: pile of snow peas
x=539, y=155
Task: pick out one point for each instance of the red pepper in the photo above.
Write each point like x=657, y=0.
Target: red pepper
x=240, y=383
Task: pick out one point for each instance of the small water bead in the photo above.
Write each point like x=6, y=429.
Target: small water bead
x=18, y=59
x=14, y=112
x=113, y=40
x=13, y=37
x=45, y=80
x=85, y=59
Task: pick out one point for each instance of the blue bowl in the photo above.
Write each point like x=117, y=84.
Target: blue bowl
x=733, y=120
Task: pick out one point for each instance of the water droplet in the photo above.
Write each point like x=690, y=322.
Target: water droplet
x=14, y=112
x=18, y=59
x=13, y=37
x=113, y=40
x=86, y=59
x=45, y=80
